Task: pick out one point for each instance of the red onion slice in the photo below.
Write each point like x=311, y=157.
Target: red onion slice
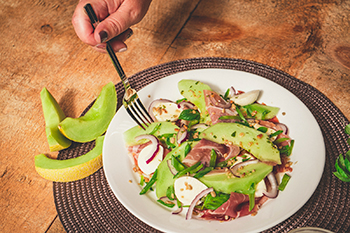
x=179, y=210
x=155, y=103
x=232, y=92
x=155, y=143
x=237, y=166
x=181, y=135
x=195, y=200
x=272, y=187
x=171, y=167
x=283, y=127
x=218, y=101
x=185, y=105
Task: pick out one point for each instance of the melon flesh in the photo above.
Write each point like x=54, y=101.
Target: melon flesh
x=70, y=169
x=53, y=115
x=95, y=122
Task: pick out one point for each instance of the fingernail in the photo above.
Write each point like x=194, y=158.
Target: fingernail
x=103, y=36
x=101, y=46
x=122, y=50
x=129, y=34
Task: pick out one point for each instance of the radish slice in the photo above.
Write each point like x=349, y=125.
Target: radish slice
x=246, y=98
x=155, y=145
x=272, y=187
x=195, y=200
x=163, y=109
x=237, y=166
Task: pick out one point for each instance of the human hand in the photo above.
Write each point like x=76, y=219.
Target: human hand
x=116, y=16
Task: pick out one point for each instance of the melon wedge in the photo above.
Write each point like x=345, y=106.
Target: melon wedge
x=95, y=122
x=53, y=115
x=70, y=169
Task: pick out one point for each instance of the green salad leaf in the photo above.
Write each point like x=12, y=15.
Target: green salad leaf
x=342, y=164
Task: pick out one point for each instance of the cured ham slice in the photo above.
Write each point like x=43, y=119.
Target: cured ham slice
x=202, y=152
x=236, y=206
x=273, y=126
x=216, y=108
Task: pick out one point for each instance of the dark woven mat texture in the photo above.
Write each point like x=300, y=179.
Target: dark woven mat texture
x=89, y=205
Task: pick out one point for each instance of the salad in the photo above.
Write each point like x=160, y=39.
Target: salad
x=217, y=156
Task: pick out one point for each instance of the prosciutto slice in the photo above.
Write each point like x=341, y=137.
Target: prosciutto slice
x=236, y=206
x=215, y=111
x=202, y=152
x=271, y=125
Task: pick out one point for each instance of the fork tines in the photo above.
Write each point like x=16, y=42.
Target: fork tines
x=138, y=113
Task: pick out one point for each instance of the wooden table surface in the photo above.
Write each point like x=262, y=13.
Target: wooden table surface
x=310, y=40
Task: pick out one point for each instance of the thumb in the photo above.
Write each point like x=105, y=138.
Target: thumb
x=116, y=23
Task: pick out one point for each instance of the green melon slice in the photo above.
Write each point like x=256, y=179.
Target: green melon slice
x=53, y=115
x=95, y=122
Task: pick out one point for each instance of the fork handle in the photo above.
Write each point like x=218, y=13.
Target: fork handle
x=94, y=22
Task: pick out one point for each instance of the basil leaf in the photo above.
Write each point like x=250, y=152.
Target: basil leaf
x=189, y=115
x=212, y=203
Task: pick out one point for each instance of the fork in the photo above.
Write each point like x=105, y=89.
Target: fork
x=131, y=100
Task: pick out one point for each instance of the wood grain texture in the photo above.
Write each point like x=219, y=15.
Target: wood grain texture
x=307, y=39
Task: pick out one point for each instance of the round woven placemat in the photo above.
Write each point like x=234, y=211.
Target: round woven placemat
x=89, y=205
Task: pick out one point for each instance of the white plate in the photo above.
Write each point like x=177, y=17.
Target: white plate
x=308, y=155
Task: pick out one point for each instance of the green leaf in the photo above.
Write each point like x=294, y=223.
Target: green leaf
x=170, y=193
x=203, y=172
x=177, y=164
x=187, y=149
x=240, y=114
x=213, y=157
x=340, y=177
x=150, y=183
x=186, y=170
x=278, y=141
x=170, y=205
x=213, y=203
x=262, y=129
x=284, y=182
x=251, y=196
x=340, y=165
x=287, y=150
x=276, y=133
x=347, y=129
x=189, y=115
x=155, y=129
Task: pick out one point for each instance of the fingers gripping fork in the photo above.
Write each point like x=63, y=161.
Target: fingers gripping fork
x=131, y=101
